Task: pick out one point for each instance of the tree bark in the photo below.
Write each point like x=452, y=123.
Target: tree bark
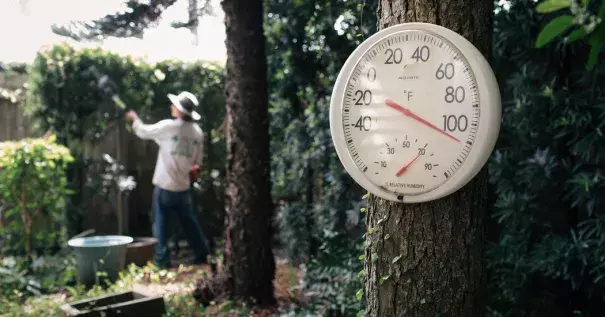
x=432, y=261
x=250, y=265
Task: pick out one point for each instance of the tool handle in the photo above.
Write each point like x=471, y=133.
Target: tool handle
x=118, y=101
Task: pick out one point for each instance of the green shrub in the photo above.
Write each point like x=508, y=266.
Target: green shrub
x=32, y=192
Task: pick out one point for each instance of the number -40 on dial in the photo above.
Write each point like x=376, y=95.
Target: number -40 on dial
x=415, y=112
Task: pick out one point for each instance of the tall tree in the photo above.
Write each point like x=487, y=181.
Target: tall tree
x=249, y=261
x=439, y=244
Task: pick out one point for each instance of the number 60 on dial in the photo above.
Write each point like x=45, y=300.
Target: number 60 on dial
x=415, y=112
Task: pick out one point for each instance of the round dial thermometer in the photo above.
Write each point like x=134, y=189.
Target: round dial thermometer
x=415, y=112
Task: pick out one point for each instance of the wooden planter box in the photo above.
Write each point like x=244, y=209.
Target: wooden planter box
x=127, y=304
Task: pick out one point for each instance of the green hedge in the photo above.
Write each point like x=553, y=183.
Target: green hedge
x=63, y=96
x=32, y=194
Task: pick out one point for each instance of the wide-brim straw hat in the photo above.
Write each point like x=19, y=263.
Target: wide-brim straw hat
x=185, y=102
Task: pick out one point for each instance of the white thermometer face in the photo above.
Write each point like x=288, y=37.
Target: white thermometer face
x=410, y=112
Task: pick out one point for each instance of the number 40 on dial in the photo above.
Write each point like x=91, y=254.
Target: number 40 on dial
x=415, y=113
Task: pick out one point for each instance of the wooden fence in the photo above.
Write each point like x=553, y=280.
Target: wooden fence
x=13, y=124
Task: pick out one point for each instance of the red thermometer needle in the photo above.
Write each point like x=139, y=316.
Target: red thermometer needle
x=409, y=113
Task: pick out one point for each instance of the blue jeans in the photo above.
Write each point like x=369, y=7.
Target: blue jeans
x=167, y=204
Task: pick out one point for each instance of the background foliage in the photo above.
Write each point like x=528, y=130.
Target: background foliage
x=318, y=203
x=548, y=251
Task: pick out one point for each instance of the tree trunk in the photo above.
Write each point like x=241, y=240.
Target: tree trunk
x=250, y=265
x=432, y=262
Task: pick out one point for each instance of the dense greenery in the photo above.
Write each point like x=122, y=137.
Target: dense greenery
x=319, y=204
x=63, y=96
x=33, y=188
x=547, y=172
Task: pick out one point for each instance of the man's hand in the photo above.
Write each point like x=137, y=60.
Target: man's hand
x=194, y=173
x=132, y=115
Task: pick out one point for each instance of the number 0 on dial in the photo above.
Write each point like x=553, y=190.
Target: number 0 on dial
x=415, y=112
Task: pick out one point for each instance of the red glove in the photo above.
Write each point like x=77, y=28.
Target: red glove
x=194, y=173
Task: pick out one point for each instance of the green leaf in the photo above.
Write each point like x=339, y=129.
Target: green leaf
x=360, y=313
x=593, y=56
x=361, y=274
x=363, y=209
x=383, y=278
x=576, y=35
x=552, y=5
x=585, y=3
x=374, y=257
x=361, y=257
x=395, y=259
x=359, y=294
x=555, y=27
x=370, y=230
x=387, y=236
x=596, y=42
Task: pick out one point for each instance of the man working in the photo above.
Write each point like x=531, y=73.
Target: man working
x=181, y=144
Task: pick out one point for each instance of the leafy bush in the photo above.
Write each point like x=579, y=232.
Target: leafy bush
x=33, y=189
x=332, y=279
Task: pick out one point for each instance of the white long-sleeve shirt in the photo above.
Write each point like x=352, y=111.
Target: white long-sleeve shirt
x=181, y=146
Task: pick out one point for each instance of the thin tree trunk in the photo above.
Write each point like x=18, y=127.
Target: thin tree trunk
x=432, y=261
x=250, y=265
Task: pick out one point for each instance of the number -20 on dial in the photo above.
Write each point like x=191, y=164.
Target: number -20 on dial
x=415, y=112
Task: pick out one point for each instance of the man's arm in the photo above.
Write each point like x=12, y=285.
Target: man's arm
x=147, y=131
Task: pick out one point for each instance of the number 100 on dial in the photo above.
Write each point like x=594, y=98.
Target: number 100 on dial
x=415, y=113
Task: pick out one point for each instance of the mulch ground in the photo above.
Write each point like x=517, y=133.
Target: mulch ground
x=286, y=283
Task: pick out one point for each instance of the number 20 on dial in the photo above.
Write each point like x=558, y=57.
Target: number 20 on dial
x=415, y=112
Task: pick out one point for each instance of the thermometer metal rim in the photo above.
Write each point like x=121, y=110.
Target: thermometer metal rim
x=489, y=120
